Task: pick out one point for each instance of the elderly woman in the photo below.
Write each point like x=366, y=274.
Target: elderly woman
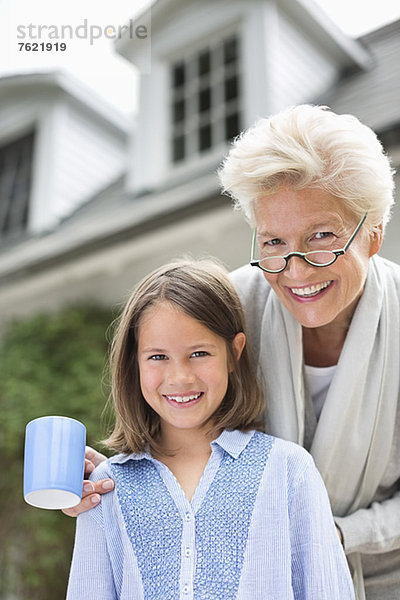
x=322, y=314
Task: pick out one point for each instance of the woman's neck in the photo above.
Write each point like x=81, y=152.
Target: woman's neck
x=322, y=345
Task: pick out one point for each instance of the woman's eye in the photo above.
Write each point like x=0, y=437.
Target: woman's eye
x=273, y=242
x=157, y=357
x=321, y=235
x=199, y=353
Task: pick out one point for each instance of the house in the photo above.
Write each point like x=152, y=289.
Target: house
x=215, y=68
x=58, y=146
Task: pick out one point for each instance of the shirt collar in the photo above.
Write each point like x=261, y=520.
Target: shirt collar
x=120, y=459
x=231, y=441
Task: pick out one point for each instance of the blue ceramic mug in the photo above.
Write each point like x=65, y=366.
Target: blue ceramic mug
x=54, y=462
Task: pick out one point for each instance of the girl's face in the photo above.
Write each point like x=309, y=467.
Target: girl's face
x=306, y=220
x=183, y=367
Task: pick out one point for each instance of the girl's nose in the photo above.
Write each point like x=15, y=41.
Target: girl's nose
x=180, y=372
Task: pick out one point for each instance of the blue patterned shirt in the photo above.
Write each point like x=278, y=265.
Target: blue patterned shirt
x=259, y=527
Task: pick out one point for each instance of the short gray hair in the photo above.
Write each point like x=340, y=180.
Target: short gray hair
x=311, y=146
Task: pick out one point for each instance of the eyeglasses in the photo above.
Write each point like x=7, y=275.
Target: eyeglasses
x=316, y=258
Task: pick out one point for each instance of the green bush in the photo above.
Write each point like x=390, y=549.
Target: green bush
x=50, y=364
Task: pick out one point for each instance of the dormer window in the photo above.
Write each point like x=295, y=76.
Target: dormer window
x=205, y=103
x=15, y=185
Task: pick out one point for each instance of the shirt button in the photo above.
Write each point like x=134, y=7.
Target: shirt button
x=188, y=552
x=188, y=516
x=185, y=589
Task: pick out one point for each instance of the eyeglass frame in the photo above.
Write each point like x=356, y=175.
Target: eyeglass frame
x=303, y=255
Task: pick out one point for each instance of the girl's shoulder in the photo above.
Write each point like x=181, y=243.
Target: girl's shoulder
x=288, y=455
x=283, y=447
x=104, y=469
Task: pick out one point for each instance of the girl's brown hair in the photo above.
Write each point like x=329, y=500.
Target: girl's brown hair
x=203, y=291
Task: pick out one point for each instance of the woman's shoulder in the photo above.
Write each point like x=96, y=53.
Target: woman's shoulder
x=253, y=290
x=249, y=281
x=387, y=274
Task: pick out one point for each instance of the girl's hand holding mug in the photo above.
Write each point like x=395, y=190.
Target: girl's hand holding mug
x=91, y=489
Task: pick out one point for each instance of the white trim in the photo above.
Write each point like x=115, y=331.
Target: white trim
x=219, y=108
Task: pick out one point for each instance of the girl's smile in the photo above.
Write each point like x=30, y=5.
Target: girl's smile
x=191, y=398
x=183, y=368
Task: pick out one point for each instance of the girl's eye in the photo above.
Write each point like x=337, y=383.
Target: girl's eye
x=199, y=353
x=158, y=357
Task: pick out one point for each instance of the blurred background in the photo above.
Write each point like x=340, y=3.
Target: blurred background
x=109, y=148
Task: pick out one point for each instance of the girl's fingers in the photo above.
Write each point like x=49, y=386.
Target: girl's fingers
x=94, y=457
x=90, y=496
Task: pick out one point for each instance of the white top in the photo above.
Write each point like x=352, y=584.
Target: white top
x=318, y=380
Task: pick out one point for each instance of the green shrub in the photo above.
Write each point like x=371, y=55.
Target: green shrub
x=50, y=364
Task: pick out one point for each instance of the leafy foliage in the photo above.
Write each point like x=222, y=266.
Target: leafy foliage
x=50, y=364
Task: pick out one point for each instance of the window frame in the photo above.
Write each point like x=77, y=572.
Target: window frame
x=198, y=133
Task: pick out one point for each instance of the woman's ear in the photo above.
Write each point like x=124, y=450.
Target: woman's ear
x=376, y=238
x=238, y=343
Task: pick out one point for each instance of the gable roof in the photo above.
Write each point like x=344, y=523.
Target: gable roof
x=69, y=85
x=307, y=13
x=373, y=95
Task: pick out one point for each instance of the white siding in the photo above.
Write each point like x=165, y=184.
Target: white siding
x=281, y=65
x=194, y=23
x=87, y=158
x=187, y=29
x=299, y=69
x=76, y=152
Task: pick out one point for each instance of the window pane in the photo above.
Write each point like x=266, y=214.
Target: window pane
x=230, y=50
x=15, y=184
x=178, y=148
x=232, y=126
x=204, y=63
x=178, y=75
x=178, y=111
x=231, y=88
x=205, y=137
x=204, y=100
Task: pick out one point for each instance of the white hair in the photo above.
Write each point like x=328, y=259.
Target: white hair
x=311, y=146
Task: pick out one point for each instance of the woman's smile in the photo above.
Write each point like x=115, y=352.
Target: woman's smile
x=307, y=220
x=310, y=291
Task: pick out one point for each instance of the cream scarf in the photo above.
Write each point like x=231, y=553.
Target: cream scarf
x=352, y=441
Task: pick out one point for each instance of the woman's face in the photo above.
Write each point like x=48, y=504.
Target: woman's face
x=306, y=220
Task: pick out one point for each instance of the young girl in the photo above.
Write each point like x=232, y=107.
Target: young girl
x=205, y=507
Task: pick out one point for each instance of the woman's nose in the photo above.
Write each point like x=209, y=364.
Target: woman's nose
x=297, y=268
